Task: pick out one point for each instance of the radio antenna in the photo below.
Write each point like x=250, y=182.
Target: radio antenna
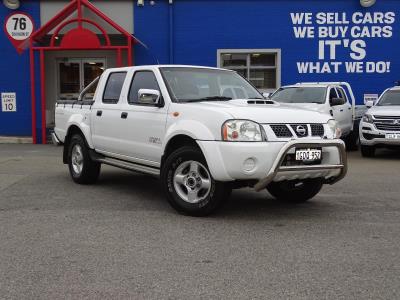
x=147, y=48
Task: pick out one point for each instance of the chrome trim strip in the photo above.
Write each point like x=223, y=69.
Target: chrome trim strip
x=277, y=165
x=129, y=166
x=129, y=158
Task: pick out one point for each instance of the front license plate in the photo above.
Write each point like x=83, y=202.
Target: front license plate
x=393, y=136
x=308, y=154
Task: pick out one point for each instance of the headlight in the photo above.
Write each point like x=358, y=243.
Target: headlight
x=336, y=131
x=367, y=118
x=242, y=131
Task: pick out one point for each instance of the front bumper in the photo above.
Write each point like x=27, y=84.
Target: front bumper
x=263, y=162
x=371, y=136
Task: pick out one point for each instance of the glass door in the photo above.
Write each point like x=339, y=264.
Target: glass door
x=69, y=79
x=92, y=68
x=74, y=74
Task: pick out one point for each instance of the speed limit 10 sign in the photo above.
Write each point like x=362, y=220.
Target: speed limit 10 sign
x=8, y=102
x=18, y=27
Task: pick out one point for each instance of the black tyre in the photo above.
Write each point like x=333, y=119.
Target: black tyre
x=367, y=151
x=296, y=191
x=188, y=183
x=82, y=168
x=352, y=141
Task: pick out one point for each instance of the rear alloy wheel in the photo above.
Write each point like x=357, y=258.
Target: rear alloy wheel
x=295, y=191
x=82, y=168
x=367, y=151
x=188, y=183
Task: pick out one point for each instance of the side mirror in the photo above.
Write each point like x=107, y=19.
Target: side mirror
x=369, y=104
x=337, y=101
x=151, y=97
x=266, y=95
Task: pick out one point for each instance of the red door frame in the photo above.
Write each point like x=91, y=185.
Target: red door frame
x=79, y=38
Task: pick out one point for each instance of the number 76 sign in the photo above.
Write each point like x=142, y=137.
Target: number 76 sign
x=18, y=27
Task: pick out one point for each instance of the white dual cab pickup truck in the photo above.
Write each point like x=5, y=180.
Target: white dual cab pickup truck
x=333, y=98
x=178, y=123
x=380, y=126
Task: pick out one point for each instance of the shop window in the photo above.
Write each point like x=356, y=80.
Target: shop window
x=74, y=74
x=260, y=67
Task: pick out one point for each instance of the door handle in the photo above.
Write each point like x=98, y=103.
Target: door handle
x=341, y=109
x=99, y=113
x=124, y=115
x=349, y=108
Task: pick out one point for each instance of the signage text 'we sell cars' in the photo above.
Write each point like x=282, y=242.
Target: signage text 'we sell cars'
x=341, y=40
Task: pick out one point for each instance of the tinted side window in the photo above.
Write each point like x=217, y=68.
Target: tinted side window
x=142, y=80
x=342, y=95
x=332, y=94
x=113, y=87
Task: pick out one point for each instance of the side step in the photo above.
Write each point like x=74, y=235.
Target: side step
x=130, y=166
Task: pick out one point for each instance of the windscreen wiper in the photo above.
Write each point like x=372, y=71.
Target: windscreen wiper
x=211, y=98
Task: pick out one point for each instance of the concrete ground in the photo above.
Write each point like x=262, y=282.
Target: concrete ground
x=120, y=239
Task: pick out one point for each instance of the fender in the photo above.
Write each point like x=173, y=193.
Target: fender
x=192, y=128
x=82, y=122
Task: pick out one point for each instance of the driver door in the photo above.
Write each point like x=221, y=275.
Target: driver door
x=143, y=125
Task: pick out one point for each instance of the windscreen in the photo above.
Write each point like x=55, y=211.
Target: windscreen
x=390, y=98
x=300, y=95
x=197, y=84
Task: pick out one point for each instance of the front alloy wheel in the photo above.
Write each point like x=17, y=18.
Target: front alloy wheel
x=192, y=181
x=188, y=183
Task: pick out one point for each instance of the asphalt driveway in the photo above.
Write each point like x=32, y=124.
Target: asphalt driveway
x=120, y=239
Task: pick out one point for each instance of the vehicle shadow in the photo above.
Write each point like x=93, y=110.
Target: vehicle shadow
x=137, y=190
x=246, y=203
x=132, y=188
x=387, y=154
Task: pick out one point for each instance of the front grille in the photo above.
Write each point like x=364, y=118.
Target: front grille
x=317, y=130
x=301, y=130
x=387, y=123
x=387, y=117
x=281, y=131
x=298, y=130
x=388, y=127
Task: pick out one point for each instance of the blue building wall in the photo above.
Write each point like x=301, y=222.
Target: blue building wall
x=191, y=31
x=15, y=76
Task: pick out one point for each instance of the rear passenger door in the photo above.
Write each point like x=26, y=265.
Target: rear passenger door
x=144, y=125
x=105, y=114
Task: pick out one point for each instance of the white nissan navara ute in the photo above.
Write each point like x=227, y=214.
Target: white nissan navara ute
x=380, y=126
x=184, y=125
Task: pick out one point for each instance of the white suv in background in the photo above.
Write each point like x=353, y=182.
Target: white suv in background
x=380, y=126
x=333, y=98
